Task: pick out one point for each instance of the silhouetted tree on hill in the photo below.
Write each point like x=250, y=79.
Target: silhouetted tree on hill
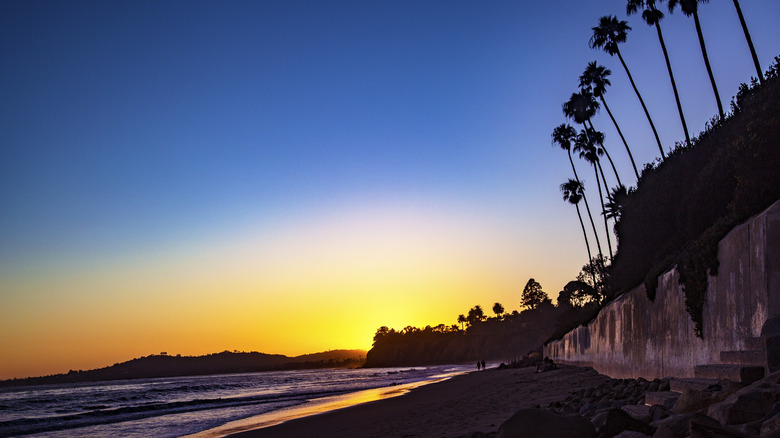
x=533, y=295
x=498, y=309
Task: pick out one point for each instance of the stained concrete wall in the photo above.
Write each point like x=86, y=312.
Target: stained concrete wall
x=634, y=337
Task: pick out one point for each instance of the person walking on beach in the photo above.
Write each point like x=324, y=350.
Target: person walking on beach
x=479, y=365
x=483, y=364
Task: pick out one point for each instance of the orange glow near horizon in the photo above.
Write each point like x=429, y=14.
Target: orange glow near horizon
x=306, y=287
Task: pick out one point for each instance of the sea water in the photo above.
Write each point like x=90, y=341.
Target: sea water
x=173, y=407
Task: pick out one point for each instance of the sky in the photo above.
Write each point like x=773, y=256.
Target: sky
x=288, y=176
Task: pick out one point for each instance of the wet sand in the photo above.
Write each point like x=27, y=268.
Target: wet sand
x=475, y=402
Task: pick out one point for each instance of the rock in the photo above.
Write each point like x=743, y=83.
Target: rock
x=675, y=426
x=771, y=427
x=703, y=426
x=638, y=412
x=692, y=400
x=600, y=419
x=658, y=412
x=542, y=423
x=744, y=407
x=665, y=398
x=619, y=421
x=631, y=434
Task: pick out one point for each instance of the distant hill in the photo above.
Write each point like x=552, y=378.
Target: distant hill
x=226, y=362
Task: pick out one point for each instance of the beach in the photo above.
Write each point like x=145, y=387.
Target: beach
x=458, y=407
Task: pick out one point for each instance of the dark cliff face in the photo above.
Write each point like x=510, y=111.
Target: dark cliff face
x=491, y=340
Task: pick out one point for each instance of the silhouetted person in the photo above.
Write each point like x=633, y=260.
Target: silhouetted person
x=483, y=364
x=479, y=365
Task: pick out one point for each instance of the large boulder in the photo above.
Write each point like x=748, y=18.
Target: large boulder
x=618, y=421
x=544, y=423
x=748, y=404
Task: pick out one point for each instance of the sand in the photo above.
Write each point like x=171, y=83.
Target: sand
x=476, y=402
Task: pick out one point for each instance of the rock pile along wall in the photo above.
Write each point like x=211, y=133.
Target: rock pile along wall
x=634, y=337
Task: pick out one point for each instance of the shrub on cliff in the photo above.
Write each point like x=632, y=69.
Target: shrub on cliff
x=684, y=205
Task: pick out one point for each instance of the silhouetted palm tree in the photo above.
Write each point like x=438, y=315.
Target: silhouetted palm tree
x=653, y=17
x=691, y=9
x=607, y=36
x=590, y=153
x=581, y=107
x=461, y=320
x=615, y=200
x=749, y=42
x=573, y=191
x=596, y=139
x=564, y=135
x=595, y=78
x=498, y=309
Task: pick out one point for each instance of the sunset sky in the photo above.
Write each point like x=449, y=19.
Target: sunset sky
x=287, y=176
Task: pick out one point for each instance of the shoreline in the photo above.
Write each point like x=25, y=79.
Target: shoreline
x=478, y=401
x=318, y=406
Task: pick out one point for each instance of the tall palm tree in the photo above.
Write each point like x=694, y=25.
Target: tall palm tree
x=691, y=9
x=564, y=135
x=573, y=191
x=581, y=107
x=652, y=16
x=595, y=78
x=589, y=152
x=462, y=319
x=608, y=35
x=749, y=41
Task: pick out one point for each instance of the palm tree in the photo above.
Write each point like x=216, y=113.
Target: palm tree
x=573, y=191
x=595, y=78
x=590, y=153
x=615, y=200
x=652, y=16
x=461, y=320
x=564, y=135
x=691, y=9
x=596, y=139
x=607, y=36
x=749, y=41
x=498, y=309
x=581, y=107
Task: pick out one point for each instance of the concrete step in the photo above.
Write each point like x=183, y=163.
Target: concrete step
x=694, y=384
x=754, y=344
x=744, y=357
x=666, y=399
x=746, y=374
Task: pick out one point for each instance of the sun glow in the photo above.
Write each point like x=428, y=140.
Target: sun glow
x=325, y=281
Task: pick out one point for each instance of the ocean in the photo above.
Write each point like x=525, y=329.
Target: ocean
x=201, y=406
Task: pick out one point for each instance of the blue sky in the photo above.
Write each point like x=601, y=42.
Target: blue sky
x=137, y=134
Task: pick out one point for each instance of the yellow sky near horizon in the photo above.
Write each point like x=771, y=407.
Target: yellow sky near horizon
x=305, y=285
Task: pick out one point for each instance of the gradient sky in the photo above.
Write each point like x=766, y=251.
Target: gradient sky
x=287, y=176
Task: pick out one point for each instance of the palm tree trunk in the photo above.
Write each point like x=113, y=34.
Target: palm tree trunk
x=604, y=102
x=587, y=207
x=749, y=41
x=603, y=179
x=587, y=245
x=644, y=107
x=606, y=152
x=674, y=84
x=603, y=209
x=707, y=64
x=573, y=168
x=593, y=225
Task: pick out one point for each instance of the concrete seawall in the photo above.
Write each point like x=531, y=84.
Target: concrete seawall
x=634, y=337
